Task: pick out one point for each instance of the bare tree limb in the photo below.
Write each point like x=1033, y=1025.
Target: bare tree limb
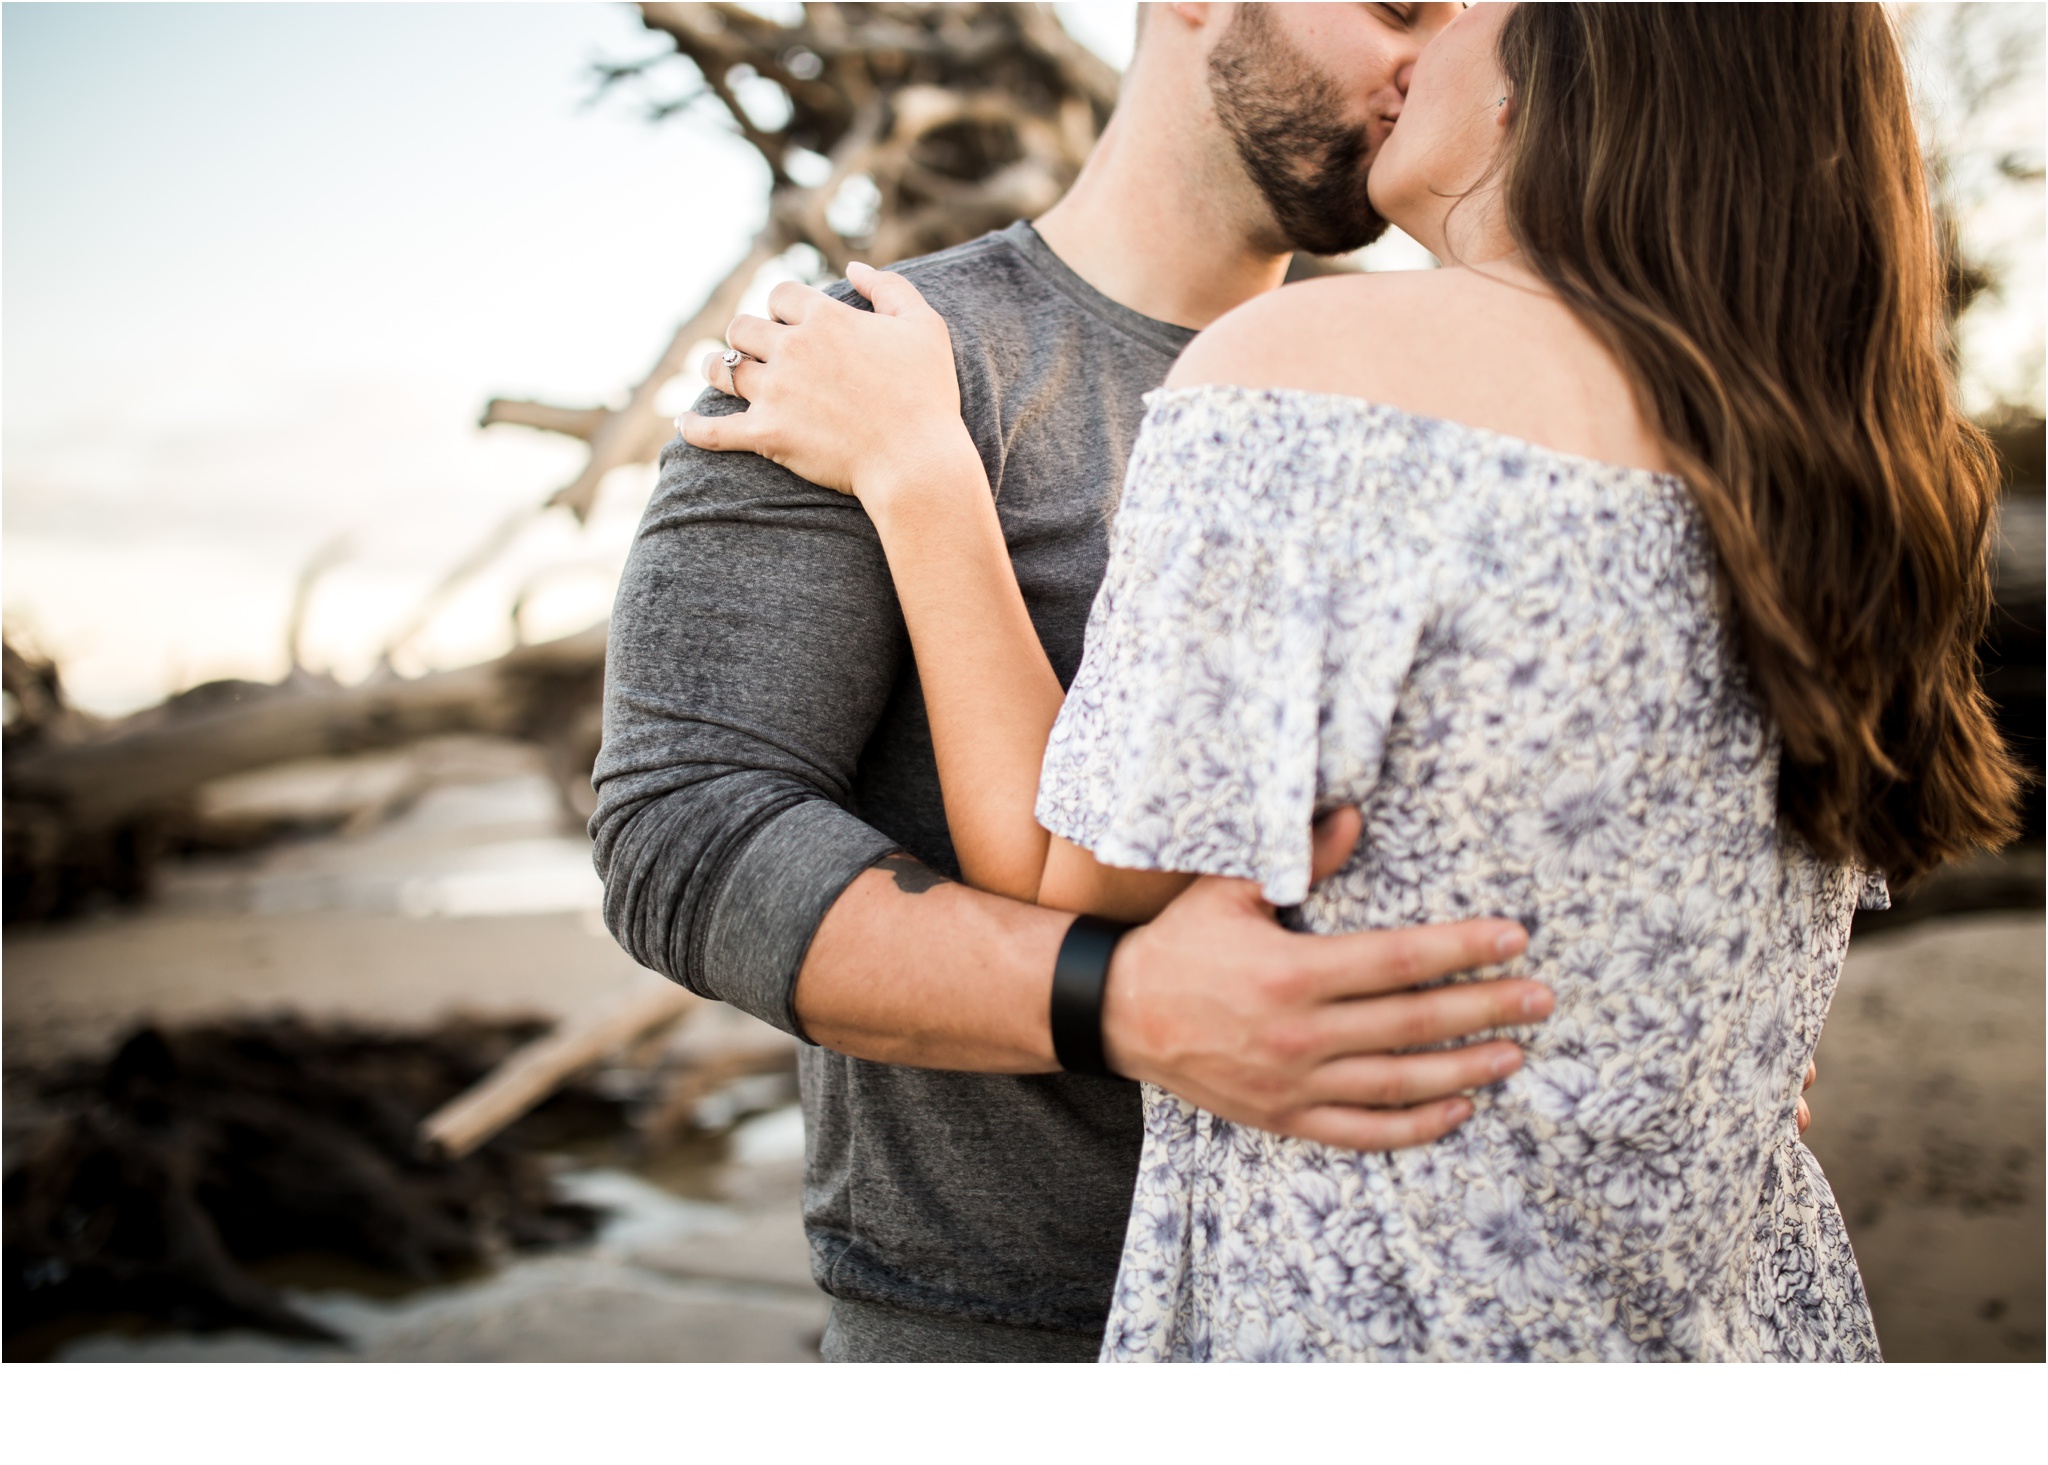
x=324, y=559
x=962, y=118
x=580, y=422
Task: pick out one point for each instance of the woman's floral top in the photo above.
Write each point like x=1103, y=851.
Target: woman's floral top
x=1512, y=661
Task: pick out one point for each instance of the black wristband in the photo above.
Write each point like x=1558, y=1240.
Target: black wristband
x=1078, y=977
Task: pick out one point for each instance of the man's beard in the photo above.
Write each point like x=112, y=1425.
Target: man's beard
x=1282, y=114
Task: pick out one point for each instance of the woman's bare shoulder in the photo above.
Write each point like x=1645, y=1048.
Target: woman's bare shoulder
x=1491, y=348
x=1319, y=333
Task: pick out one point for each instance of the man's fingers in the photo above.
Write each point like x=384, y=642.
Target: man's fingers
x=1367, y=962
x=1413, y=1078
x=1812, y=1073
x=731, y=434
x=1381, y=1129
x=1803, y=1115
x=1405, y=1020
x=1335, y=837
x=757, y=337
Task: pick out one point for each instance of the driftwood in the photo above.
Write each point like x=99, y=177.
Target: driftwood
x=534, y=1072
x=957, y=119
x=675, y=1105
x=954, y=118
x=90, y=803
x=161, y=755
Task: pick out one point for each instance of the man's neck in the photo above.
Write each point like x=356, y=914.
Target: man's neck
x=1162, y=225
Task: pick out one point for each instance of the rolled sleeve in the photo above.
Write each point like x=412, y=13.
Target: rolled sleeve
x=754, y=645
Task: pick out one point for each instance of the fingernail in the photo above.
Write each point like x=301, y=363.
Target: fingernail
x=1508, y=943
x=1537, y=1003
x=856, y=265
x=1506, y=1063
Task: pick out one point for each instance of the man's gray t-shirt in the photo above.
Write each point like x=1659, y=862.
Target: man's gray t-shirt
x=765, y=742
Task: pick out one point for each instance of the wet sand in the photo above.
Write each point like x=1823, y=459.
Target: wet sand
x=1928, y=1122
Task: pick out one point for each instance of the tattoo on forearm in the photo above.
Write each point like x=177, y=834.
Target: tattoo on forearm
x=912, y=876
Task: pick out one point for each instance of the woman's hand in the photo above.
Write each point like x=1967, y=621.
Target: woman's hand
x=858, y=402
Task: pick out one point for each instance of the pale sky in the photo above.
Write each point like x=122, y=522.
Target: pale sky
x=263, y=264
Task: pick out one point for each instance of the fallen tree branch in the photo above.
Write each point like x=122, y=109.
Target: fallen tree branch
x=527, y=1077
x=158, y=757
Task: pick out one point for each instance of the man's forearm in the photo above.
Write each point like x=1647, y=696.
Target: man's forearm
x=1324, y=1037
x=911, y=968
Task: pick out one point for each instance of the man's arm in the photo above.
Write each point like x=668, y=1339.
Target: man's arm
x=754, y=644
x=1212, y=999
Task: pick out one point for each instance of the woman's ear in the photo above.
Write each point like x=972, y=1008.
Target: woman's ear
x=1504, y=111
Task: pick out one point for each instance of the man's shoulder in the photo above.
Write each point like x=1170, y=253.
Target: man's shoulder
x=976, y=264
x=975, y=285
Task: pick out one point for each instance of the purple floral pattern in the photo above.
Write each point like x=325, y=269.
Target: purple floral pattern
x=1511, y=660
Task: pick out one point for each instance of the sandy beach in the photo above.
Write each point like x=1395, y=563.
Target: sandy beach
x=1928, y=1111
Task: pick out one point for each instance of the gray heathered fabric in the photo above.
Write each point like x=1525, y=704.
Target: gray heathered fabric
x=866, y=1332
x=765, y=741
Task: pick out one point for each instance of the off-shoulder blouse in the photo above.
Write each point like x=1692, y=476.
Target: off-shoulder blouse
x=1512, y=660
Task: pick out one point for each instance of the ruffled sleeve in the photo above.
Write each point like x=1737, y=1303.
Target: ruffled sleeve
x=1189, y=740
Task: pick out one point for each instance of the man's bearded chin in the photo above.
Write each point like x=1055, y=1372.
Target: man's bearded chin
x=1282, y=114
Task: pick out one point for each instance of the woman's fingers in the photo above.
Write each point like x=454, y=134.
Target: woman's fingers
x=722, y=370
x=734, y=433
x=886, y=290
x=1412, y=1078
x=757, y=337
x=792, y=303
x=1334, y=838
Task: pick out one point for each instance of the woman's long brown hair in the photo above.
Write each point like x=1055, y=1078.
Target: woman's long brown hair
x=1732, y=197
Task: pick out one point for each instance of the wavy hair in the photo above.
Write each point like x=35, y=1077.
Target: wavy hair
x=1732, y=197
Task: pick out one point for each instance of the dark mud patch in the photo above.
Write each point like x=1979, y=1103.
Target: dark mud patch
x=191, y=1177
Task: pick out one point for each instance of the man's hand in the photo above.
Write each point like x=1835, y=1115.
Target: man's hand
x=1804, y=1115
x=1305, y=1035
x=1213, y=1000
